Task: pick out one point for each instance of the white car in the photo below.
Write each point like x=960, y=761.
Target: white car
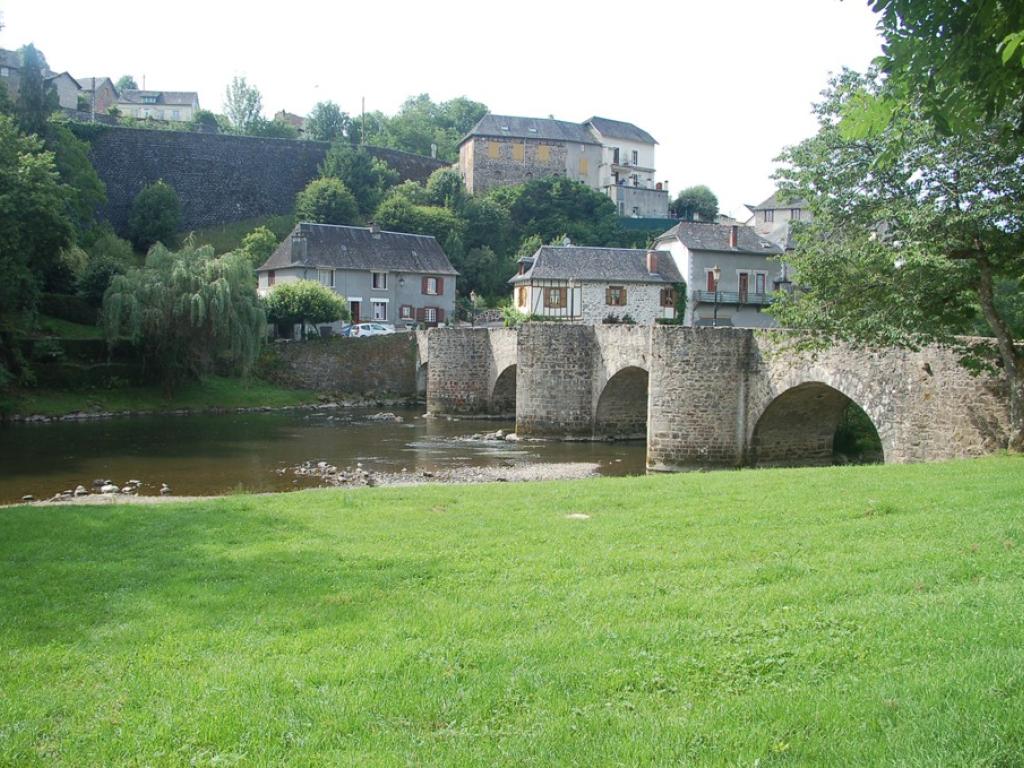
x=369, y=329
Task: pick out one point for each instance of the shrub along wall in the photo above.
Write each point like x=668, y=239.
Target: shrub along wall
x=219, y=178
x=376, y=365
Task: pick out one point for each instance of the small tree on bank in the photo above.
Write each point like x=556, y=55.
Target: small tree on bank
x=155, y=216
x=189, y=312
x=326, y=201
x=305, y=301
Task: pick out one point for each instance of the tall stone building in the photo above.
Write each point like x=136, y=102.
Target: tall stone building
x=612, y=156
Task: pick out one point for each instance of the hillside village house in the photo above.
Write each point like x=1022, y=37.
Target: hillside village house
x=99, y=93
x=611, y=156
x=590, y=284
x=172, y=106
x=390, y=277
x=748, y=271
x=771, y=219
x=66, y=88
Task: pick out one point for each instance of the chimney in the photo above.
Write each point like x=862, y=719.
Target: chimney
x=734, y=235
x=374, y=228
x=298, y=246
x=652, y=262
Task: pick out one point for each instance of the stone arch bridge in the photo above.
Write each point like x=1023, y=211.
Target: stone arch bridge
x=711, y=396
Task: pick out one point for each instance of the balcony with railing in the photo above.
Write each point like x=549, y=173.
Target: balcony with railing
x=733, y=297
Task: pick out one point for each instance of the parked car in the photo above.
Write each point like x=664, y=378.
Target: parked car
x=369, y=329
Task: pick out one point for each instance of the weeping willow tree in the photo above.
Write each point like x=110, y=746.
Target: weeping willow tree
x=190, y=313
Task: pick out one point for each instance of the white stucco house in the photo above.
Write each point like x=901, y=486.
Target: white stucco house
x=590, y=285
x=627, y=173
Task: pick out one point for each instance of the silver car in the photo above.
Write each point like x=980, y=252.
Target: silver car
x=369, y=329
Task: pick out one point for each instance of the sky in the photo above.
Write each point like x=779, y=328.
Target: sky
x=723, y=85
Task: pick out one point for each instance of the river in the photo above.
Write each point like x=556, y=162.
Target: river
x=215, y=454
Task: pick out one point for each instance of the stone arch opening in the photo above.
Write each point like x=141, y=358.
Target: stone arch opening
x=621, y=411
x=807, y=424
x=503, y=396
x=421, y=379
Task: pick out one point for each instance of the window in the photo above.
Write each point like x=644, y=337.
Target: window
x=522, y=296
x=405, y=311
x=668, y=297
x=149, y=99
x=584, y=166
x=380, y=310
x=759, y=282
x=636, y=157
x=326, y=277
x=270, y=278
x=769, y=216
x=379, y=281
x=518, y=152
x=543, y=153
x=430, y=314
x=712, y=286
x=636, y=180
x=615, y=296
x=622, y=209
x=554, y=298
x=794, y=214
x=615, y=155
x=636, y=211
x=175, y=114
x=432, y=286
x=493, y=150
x=5, y=72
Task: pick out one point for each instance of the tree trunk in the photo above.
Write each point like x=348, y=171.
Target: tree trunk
x=1013, y=360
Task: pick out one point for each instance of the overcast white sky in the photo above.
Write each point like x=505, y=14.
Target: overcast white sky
x=722, y=85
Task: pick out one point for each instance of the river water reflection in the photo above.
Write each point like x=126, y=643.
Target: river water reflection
x=217, y=454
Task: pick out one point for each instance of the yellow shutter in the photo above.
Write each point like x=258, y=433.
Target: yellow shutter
x=584, y=166
x=518, y=152
x=492, y=149
x=543, y=153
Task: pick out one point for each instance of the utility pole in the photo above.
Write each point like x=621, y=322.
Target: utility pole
x=363, y=120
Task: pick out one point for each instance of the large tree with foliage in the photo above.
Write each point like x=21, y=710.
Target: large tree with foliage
x=155, y=216
x=556, y=206
x=243, y=105
x=326, y=201
x=695, y=203
x=86, y=191
x=365, y=176
x=35, y=103
x=915, y=230
x=421, y=123
x=126, y=83
x=397, y=214
x=190, y=313
x=305, y=301
x=34, y=228
x=955, y=61
x=328, y=123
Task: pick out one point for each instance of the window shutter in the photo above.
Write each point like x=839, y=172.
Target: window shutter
x=622, y=297
x=423, y=285
x=421, y=315
x=440, y=315
x=608, y=295
x=440, y=286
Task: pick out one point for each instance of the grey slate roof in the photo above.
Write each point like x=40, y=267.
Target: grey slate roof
x=92, y=83
x=51, y=78
x=167, y=98
x=704, y=236
x=605, y=265
x=772, y=203
x=358, y=248
x=617, y=129
x=531, y=128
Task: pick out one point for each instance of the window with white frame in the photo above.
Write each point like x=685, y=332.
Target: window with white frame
x=379, y=281
x=5, y=72
x=405, y=311
x=636, y=157
x=380, y=310
x=430, y=314
x=431, y=286
x=760, y=281
x=325, y=277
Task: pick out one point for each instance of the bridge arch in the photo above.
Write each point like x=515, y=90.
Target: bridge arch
x=502, y=400
x=797, y=427
x=621, y=410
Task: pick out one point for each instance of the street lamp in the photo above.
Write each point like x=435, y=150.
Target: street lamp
x=716, y=273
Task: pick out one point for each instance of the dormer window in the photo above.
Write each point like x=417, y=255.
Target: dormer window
x=149, y=99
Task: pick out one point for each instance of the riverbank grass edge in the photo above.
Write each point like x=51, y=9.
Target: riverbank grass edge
x=839, y=616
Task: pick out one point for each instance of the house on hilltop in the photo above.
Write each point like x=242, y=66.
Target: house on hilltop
x=174, y=106
x=772, y=218
x=588, y=285
x=100, y=93
x=389, y=277
x=614, y=157
x=730, y=270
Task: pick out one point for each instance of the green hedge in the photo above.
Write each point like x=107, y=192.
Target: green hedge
x=64, y=306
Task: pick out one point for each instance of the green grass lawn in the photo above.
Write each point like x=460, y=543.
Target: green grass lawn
x=228, y=237
x=211, y=392
x=827, y=617
x=54, y=326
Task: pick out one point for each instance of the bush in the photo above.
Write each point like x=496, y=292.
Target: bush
x=155, y=216
x=109, y=256
x=258, y=245
x=326, y=201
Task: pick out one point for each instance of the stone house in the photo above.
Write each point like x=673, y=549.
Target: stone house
x=611, y=156
x=66, y=88
x=390, y=277
x=10, y=72
x=173, y=106
x=749, y=271
x=627, y=169
x=100, y=93
x=771, y=218
x=584, y=284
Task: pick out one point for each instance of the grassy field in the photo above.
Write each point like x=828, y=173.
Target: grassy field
x=826, y=617
x=212, y=392
x=228, y=237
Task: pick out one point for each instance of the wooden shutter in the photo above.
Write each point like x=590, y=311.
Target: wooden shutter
x=622, y=296
x=440, y=286
x=421, y=315
x=440, y=315
x=608, y=295
x=423, y=285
